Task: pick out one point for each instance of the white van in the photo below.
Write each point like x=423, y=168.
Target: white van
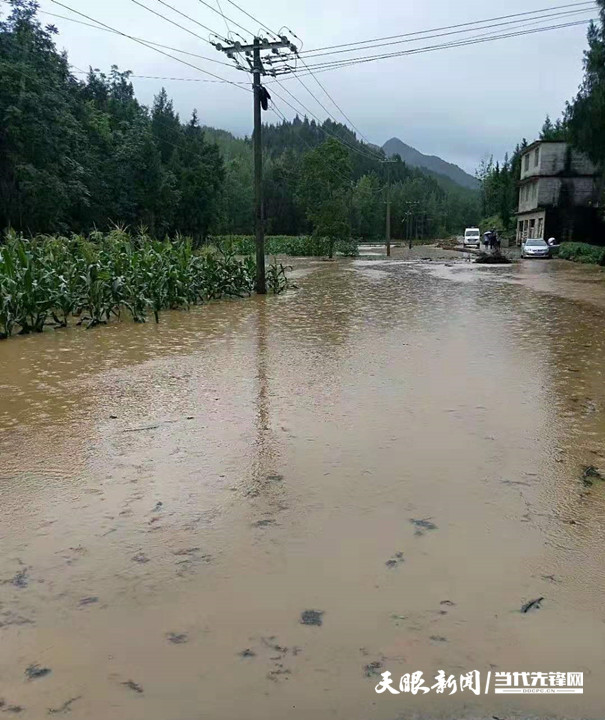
x=472, y=237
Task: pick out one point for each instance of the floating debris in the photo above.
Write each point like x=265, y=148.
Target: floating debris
x=89, y=600
x=247, y=653
x=33, y=672
x=422, y=525
x=140, y=558
x=263, y=523
x=177, y=638
x=495, y=258
x=395, y=560
x=590, y=472
x=372, y=669
x=65, y=708
x=312, y=617
x=532, y=605
x=20, y=579
x=133, y=686
x=5, y=707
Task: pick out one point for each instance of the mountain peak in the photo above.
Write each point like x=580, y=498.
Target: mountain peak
x=434, y=164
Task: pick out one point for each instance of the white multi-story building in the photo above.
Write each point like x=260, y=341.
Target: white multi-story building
x=556, y=184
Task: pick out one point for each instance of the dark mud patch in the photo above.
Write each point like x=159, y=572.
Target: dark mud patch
x=396, y=560
x=422, y=526
x=35, y=672
x=135, y=687
x=532, y=605
x=65, y=708
x=177, y=638
x=312, y=617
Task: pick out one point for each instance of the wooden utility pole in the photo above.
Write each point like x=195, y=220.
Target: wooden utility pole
x=388, y=228
x=252, y=53
x=261, y=281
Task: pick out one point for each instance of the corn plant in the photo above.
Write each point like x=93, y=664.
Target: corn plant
x=54, y=279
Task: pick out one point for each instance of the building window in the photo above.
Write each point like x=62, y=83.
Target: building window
x=527, y=162
x=537, y=157
x=540, y=227
x=532, y=228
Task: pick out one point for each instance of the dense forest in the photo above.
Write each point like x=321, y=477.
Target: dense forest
x=582, y=124
x=83, y=154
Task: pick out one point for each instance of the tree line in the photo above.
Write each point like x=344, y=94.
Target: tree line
x=83, y=154
x=582, y=124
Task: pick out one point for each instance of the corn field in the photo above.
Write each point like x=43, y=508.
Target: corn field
x=51, y=280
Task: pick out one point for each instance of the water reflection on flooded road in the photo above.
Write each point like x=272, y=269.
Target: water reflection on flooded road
x=397, y=446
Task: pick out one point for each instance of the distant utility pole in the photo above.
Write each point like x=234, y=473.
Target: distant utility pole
x=252, y=54
x=388, y=220
x=411, y=215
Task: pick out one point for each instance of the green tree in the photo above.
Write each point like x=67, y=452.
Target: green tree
x=325, y=189
x=585, y=116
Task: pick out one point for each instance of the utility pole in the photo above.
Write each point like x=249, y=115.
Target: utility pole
x=261, y=280
x=388, y=219
x=255, y=62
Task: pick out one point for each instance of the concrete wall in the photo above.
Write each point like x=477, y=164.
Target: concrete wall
x=552, y=159
x=546, y=191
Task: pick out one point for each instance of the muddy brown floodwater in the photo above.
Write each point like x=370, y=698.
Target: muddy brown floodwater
x=251, y=510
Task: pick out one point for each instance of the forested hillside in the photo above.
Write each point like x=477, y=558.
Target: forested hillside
x=581, y=124
x=78, y=154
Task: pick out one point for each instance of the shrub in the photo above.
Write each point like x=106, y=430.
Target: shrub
x=582, y=252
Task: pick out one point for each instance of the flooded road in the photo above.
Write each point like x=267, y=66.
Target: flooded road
x=396, y=446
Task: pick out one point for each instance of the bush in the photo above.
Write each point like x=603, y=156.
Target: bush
x=582, y=252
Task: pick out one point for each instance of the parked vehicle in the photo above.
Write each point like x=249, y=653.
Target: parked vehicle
x=472, y=237
x=535, y=248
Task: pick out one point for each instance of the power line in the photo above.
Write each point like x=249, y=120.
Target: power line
x=461, y=43
x=343, y=142
x=241, y=9
x=172, y=22
x=149, y=42
x=368, y=154
x=342, y=112
x=224, y=17
x=450, y=27
x=142, y=42
x=280, y=114
x=164, y=77
x=413, y=37
x=220, y=12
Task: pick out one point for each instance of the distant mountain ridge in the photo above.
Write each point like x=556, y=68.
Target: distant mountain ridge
x=432, y=163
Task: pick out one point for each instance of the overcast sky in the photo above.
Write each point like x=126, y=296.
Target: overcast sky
x=462, y=104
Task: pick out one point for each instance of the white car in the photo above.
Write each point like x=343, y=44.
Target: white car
x=472, y=237
x=535, y=248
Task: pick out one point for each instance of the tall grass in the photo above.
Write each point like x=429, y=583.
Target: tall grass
x=297, y=246
x=50, y=280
